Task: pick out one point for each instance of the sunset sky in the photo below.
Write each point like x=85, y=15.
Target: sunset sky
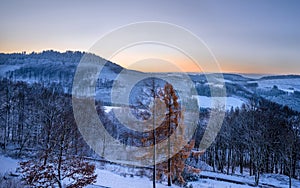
x=245, y=36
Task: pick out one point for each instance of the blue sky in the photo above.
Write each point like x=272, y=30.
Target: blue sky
x=245, y=36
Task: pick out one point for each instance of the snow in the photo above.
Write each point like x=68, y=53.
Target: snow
x=278, y=180
x=255, y=76
x=274, y=180
x=107, y=109
x=224, y=80
x=109, y=179
x=208, y=183
x=8, y=164
x=288, y=85
x=206, y=102
x=5, y=68
x=228, y=177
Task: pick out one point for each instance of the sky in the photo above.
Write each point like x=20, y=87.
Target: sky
x=257, y=36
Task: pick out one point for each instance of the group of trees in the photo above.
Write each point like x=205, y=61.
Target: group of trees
x=37, y=122
x=33, y=116
x=262, y=136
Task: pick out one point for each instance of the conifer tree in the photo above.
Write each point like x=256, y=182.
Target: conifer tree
x=168, y=120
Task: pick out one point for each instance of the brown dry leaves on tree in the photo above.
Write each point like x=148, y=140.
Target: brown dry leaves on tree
x=168, y=109
x=37, y=174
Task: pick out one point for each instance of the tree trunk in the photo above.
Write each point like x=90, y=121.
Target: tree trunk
x=233, y=162
x=6, y=130
x=154, y=152
x=267, y=161
x=241, y=162
x=169, y=163
x=213, y=153
x=256, y=172
x=250, y=166
x=290, y=169
x=60, y=160
x=169, y=148
x=228, y=160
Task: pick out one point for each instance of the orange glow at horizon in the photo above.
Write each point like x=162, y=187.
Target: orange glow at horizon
x=176, y=62
x=159, y=58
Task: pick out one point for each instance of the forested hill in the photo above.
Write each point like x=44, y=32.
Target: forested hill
x=56, y=69
x=47, y=67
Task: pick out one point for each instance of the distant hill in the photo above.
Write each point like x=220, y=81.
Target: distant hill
x=280, y=77
x=58, y=68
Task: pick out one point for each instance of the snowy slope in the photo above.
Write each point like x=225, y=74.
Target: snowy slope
x=280, y=89
x=54, y=68
x=289, y=85
x=206, y=102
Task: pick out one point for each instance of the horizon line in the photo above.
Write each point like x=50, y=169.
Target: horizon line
x=158, y=72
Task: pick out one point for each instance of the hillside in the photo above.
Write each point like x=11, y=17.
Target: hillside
x=55, y=68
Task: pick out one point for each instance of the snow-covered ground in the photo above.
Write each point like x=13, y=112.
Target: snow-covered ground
x=8, y=164
x=288, y=85
x=209, y=183
x=115, y=176
x=6, y=68
x=255, y=76
x=107, y=109
x=206, y=102
x=271, y=180
x=109, y=179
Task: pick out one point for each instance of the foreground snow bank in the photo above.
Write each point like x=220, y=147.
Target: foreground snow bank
x=106, y=178
x=271, y=180
x=109, y=179
x=208, y=183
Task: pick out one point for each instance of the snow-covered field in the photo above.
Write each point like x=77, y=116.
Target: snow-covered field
x=209, y=183
x=289, y=85
x=109, y=179
x=206, y=102
x=271, y=180
x=115, y=176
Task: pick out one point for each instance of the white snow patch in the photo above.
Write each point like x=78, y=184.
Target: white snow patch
x=276, y=180
x=209, y=183
x=109, y=179
x=107, y=109
x=6, y=68
x=8, y=164
x=206, y=102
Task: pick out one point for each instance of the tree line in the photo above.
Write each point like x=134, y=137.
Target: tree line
x=262, y=137
x=38, y=122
